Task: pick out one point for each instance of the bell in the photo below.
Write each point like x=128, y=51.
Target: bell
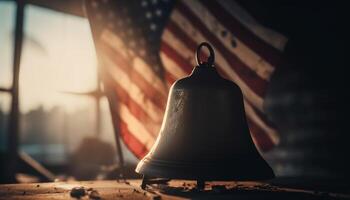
x=204, y=135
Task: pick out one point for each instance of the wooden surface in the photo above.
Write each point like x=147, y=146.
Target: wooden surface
x=175, y=190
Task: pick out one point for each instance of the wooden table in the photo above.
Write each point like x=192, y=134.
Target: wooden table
x=178, y=189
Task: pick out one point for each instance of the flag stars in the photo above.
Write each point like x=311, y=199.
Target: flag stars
x=157, y=68
x=142, y=52
x=132, y=43
x=111, y=14
x=98, y=16
x=233, y=43
x=142, y=42
x=148, y=15
x=223, y=33
x=130, y=32
x=94, y=4
x=120, y=23
x=144, y=3
x=125, y=10
x=158, y=12
x=153, y=27
x=131, y=53
x=111, y=25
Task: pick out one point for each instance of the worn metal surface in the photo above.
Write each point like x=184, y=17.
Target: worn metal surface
x=204, y=135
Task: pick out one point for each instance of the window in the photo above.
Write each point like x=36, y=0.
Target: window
x=58, y=57
x=7, y=19
x=58, y=61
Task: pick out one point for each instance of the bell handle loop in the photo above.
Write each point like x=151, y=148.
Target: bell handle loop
x=211, y=58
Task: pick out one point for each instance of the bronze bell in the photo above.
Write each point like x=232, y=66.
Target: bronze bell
x=204, y=135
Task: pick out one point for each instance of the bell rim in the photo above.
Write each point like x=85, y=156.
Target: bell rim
x=210, y=172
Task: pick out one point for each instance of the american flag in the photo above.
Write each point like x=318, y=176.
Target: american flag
x=144, y=46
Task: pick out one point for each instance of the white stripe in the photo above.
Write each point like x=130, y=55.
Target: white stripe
x=133, y=90
x=145, y=70
x=244, y=53
x=271, y=37
x=135, y=127
x=272, y=133
x=137, y=63
x=172, y=67
x=169, y=38
x=187, y=28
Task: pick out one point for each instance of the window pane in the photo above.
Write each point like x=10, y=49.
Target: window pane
x=7, y=18
x=58, y=56
x=5, y=105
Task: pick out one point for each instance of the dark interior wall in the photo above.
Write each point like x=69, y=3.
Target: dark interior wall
x=307, y=94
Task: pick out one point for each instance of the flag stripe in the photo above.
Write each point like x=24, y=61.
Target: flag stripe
x=135, y=127
x=134, y=92
x=260, y=123
x=272, y=55
x=172, y=67
x=263, y=142
x=133, y=144
x=116, y=59
x=123, y=97
x=137, y=64
x=243, y=53
x=171, y=54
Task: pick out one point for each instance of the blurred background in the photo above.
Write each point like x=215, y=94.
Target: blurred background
x=61, y=112
x=63, y=119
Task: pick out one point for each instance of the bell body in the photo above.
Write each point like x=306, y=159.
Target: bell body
x=204, y=134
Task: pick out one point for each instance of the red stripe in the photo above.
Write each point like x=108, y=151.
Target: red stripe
x=153, y=94
x=169, y=77
x=262, y=116
x=134, y=108
x=261, y=138
x=253, y=81
x=173, y=55
x=133, y=144
x=268, y=52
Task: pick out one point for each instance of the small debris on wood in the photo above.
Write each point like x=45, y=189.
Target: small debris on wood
x=194, y=190
x=93, y=194
x=77, y=192
x=157, y=197
x=24, y=193
x=136, y=191
x=218, y=188
x=38, y=185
